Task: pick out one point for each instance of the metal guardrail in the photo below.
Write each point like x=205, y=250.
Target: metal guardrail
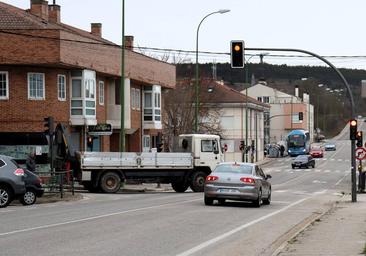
x=58, y=182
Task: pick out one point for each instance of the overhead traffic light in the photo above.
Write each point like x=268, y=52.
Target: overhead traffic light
x=353, y=129
x=49, y=125
x=237, y=54
x=301, y=116
x=89, y=142
x=359, y=139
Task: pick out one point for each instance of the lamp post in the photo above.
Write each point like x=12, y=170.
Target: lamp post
x=122, y=90
x=196, y=82
x=317, y=107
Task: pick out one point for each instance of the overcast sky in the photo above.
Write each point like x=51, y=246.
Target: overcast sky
x=325, y=27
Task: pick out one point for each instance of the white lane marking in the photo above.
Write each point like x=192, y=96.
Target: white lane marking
x=319, y=181
x=342, y=179
x=327, y=171
x=337, y=171
x=94, y=217
x=317, y=170
x=332, y=159
x=236, y=230
x=320, y=192
x=278, y=170
x=325, y=159
x=347, y=160
x=4, y=211
x=340, y=160
x=279, y=191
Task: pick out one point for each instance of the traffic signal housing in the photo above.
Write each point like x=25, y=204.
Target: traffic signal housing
x=49, y=125
x=89, y=142
x=237, y=54
x=301, y=116
x=359, y=139
x=353, y=129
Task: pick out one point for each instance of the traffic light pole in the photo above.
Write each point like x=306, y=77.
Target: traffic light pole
x=340, y=75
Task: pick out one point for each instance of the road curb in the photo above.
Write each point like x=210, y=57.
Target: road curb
x=291, y=234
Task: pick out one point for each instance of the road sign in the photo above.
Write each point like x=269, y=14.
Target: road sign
x=360, y=153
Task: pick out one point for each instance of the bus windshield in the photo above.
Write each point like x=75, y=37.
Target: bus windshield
x=296, y=141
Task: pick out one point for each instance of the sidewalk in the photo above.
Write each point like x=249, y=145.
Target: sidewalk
x=341, y=231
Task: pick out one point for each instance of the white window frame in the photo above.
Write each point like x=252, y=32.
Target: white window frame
x=59, y=89
x=138, y=99
x=259, y=99
x=266, y=99
x=43, y=87
x=133, y=103
x=6, y=73
x=101, y=93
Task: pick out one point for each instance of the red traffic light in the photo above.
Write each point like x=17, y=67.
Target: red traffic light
x=353, y=122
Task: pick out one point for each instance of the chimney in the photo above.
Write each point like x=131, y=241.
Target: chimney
x=129, y=42
x=296, y=91
x=96, y=29
x=54, y=13
x=39, y=8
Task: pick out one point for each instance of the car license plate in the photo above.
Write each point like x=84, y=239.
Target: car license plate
x=227, y=190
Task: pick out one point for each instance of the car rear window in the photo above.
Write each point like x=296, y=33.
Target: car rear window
x=234, y=168
x=302, y=157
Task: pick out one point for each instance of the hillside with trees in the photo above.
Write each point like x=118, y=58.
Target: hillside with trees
x=331, y=106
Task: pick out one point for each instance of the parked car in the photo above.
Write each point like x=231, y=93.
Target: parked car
x=303, y=161
x=237, y=181
x=34, y=189
x=330, y=146
x=11, y=181
x=316, y=152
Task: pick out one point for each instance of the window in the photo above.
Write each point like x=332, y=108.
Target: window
x=259, y=99
x=295, y=118
x=152, y=103
x=138, y=99
x=61, y=85
x=76, y=100
x=133, y=91
x=101, y=93
x=89, y=97
x=265, y=99
x=2, y=163
x=207, y=146
x=36, y=90
x=4, y=85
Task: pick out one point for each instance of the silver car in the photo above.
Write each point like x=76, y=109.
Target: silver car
x=238, y=181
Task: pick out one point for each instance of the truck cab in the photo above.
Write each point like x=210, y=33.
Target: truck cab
x=206, y=149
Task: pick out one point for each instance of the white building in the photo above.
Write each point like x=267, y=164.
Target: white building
x=232, y=106
x=284, y=112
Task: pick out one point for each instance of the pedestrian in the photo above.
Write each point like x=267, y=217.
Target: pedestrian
x=282, y=150
x=31, y=162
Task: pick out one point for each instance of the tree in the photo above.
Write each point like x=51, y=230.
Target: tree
x=179, y=113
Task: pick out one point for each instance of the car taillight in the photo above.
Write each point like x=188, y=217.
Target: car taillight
x=211, y=178
x=247, y=180
x=19, y=172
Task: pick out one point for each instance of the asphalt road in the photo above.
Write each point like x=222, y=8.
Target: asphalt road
x=169, y=223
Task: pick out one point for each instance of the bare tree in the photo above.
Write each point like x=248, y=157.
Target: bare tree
x=179, y=113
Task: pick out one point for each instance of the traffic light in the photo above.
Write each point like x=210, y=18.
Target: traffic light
x=359, y=139
x=301, y=116
x=237, y=54
x=89, y=142
x=241, y=147
x=49, y=125
x=353, y=129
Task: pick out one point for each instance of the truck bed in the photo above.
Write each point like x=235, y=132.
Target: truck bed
x=128, y=160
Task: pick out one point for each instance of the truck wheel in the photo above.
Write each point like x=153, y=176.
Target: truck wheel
x=198, y=181
x=110, y=182
x=179, y=187
x=5, y=196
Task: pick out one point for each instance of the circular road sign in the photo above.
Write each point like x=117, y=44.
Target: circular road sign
x=360, y=153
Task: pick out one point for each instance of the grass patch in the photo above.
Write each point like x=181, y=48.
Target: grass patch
x=364, y=250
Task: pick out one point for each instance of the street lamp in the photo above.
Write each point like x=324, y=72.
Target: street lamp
x=196, y=83
x=317, y=107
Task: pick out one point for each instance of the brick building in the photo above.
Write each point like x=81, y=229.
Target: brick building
x=48, y=68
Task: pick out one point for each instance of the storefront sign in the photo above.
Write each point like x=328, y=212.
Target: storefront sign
x=100, y=129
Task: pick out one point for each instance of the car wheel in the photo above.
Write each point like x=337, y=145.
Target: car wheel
x=267, y=200
x=198, y=181
x=221, y=201
x=258, y=201
x=5, y=196
x=28, y=198
x=208, y=201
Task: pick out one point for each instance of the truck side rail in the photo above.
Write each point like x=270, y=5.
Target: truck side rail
x=128, y=160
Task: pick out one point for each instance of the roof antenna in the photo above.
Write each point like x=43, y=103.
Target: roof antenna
x=54, y=2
